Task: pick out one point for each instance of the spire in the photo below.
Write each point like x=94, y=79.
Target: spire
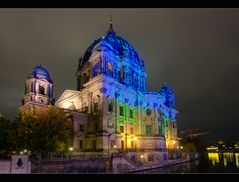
x=111, y=24
x=41, y=62
x=111, y=30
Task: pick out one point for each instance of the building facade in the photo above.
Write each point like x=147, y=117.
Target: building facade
x=112, y=110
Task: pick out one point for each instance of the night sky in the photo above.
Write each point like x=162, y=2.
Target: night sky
x=196, y=51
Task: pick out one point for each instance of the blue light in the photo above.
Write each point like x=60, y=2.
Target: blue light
x=127, y=69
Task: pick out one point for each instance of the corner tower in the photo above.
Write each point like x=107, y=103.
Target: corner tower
x=38, y=89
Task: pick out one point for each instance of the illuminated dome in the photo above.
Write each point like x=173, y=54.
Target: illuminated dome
x=40, y=72
x=168, y=93
x=114, y=57
x=119, y=46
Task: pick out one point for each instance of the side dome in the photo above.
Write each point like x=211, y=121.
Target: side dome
x=40, y=72
x=167, y=92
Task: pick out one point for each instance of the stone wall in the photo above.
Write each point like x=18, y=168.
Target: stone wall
x=5, y=167
x=71, y=166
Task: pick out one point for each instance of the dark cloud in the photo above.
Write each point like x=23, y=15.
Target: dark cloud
x=195, y=50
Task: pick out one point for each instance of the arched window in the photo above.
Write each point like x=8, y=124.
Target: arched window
x=110, y=69
x=32, y=90
x=96, y=69
x=41, y=90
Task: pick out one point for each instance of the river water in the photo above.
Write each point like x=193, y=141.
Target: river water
x=210, y=163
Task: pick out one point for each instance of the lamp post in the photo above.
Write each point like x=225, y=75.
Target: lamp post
x=71, y=150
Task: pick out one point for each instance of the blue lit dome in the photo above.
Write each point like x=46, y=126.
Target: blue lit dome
x=119, y=46
x=168, y=93
x=40, y=72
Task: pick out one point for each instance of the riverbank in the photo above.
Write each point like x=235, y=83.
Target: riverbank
x=189, y=158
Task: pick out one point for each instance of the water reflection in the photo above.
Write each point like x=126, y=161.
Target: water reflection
x=227, y=162
x=214, y=157
x=226, y=158
x=237, y=157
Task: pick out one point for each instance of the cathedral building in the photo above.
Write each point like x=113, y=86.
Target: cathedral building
x=111, y=109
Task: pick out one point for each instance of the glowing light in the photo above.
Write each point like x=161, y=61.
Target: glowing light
x=214, y=157
x=212, y=148
x=25, y=150
x=71, y=148
x=135, y=138
x=237, y=159
x=115, y=146
x=181, y=147
x=21, y=153
x=225, y=162
x=142, y=156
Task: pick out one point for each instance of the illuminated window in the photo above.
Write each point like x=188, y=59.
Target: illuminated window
x=110, y=69
x=121, y=129
x=121, y=111
x=131, y=113
x=148, y=130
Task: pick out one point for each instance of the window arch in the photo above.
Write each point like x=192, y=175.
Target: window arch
x=110, y=69
x=32, y=87
x=42, y=90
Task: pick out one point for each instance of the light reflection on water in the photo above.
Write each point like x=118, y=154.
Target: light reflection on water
x=227, y=158
x=227, y=162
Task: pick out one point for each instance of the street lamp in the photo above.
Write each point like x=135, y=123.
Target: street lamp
x=71, y=149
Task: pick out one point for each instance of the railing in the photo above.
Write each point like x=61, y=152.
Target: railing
x=125, y=157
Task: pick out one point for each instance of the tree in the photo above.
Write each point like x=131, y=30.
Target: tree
x=5, y=137
x=43, y=130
